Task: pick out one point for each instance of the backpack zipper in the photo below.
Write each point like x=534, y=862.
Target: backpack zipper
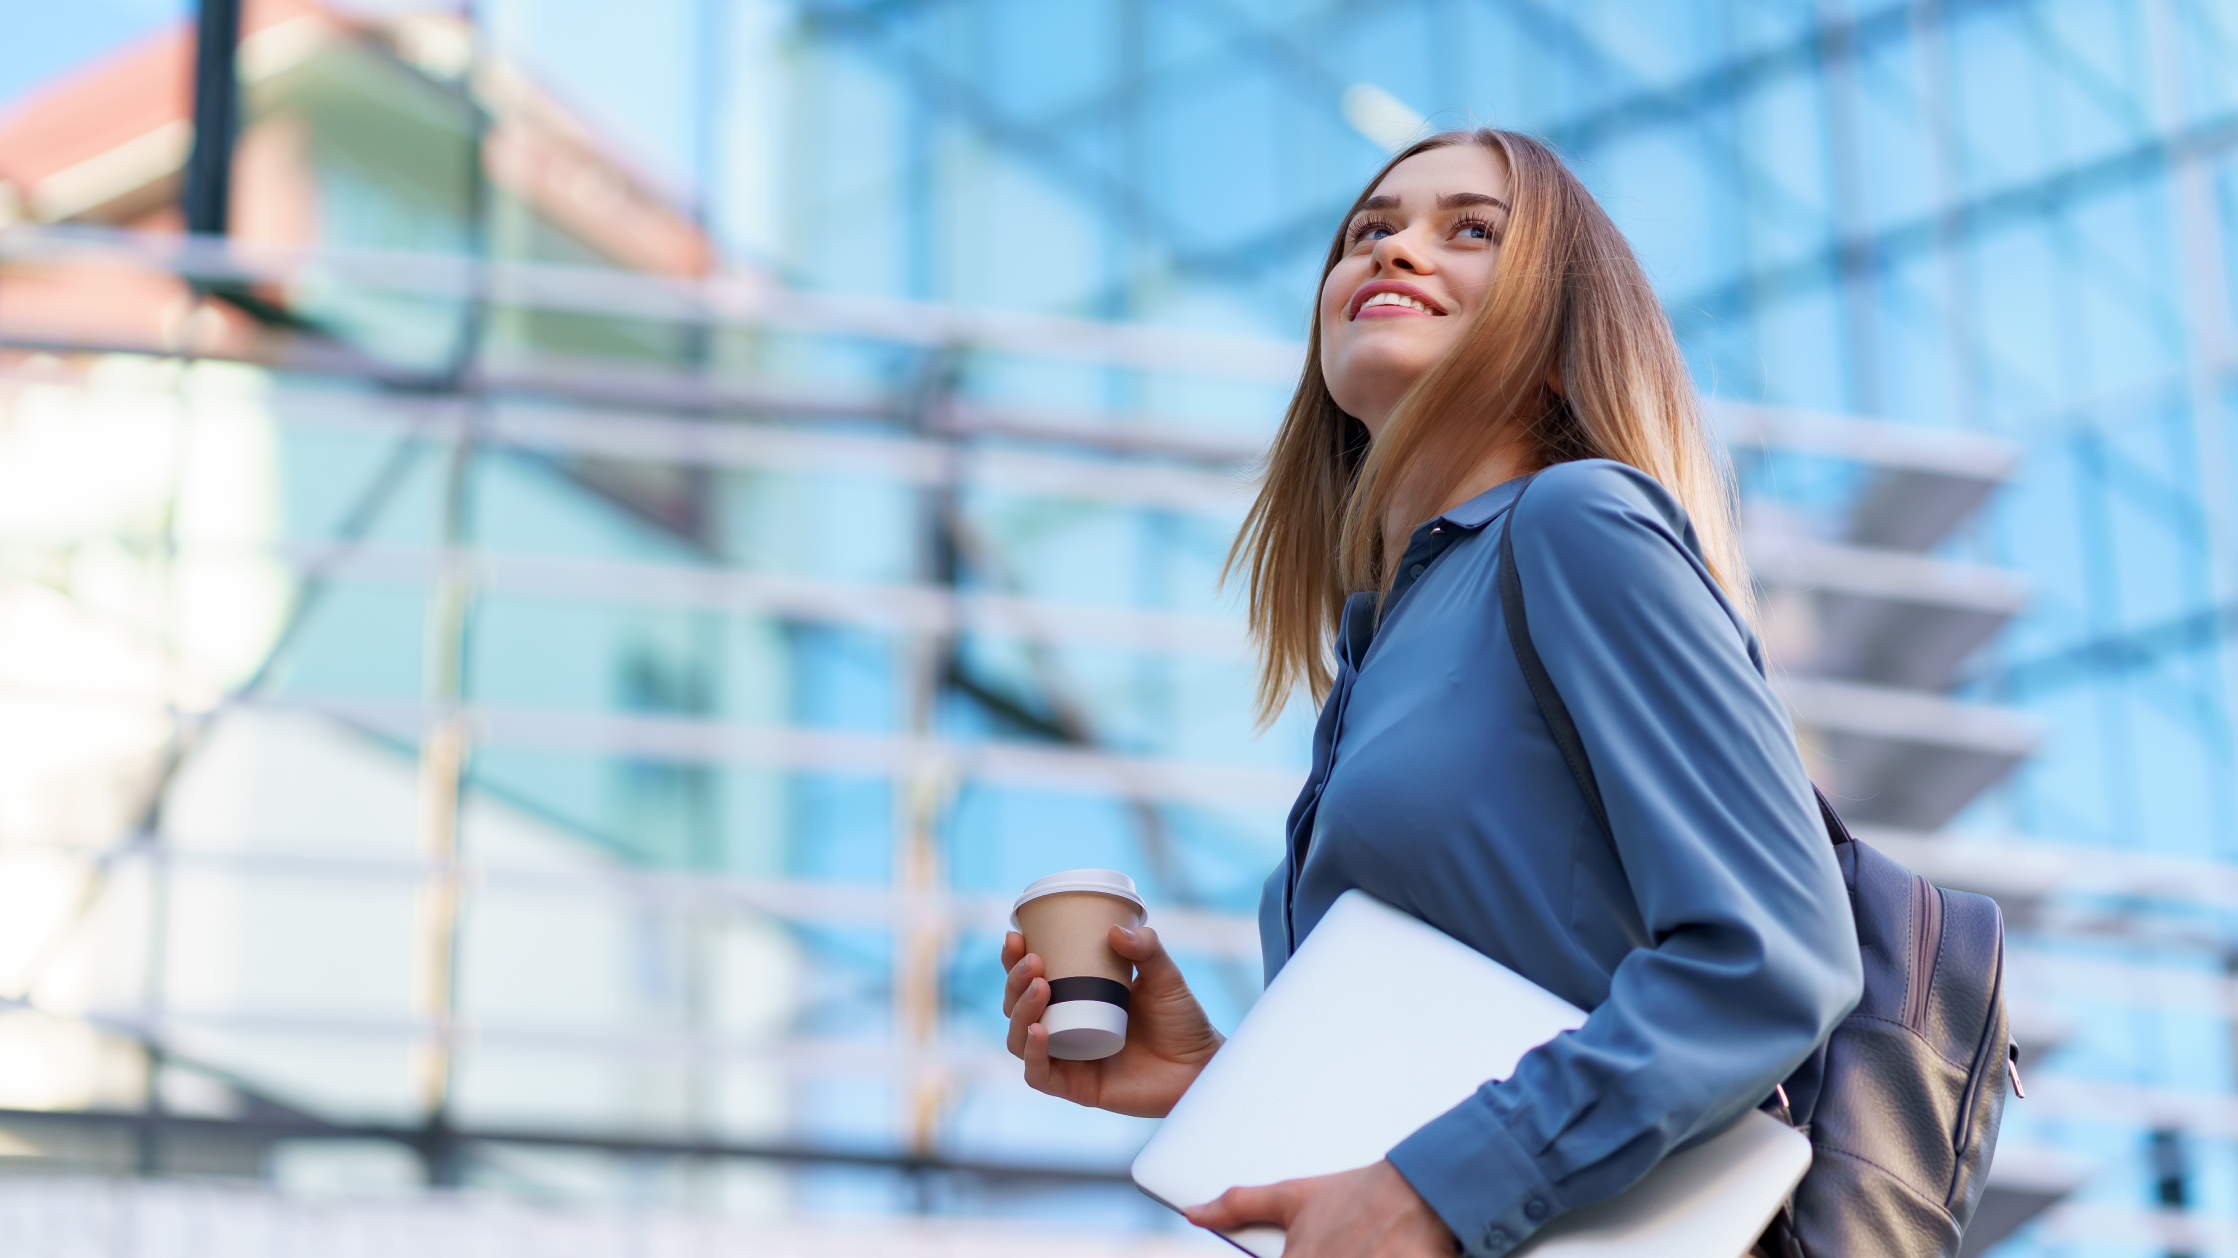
x=1977, y=1072
x=1927, y=940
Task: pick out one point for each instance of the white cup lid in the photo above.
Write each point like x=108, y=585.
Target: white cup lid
x=1101, y=881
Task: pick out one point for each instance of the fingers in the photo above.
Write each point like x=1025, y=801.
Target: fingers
x=1241, y=1207
x=1023, y=970
x=1037, y=1059
x=1026, y=1013
x=1137, y=944
x=1013, y=949
x=1141, y=945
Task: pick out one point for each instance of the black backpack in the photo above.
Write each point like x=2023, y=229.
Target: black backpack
x=1902, y=1101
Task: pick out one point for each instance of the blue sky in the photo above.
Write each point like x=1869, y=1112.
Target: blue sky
x=629, y=69
x=45, y=41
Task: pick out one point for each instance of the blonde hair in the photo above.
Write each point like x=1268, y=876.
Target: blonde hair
x=1568, y=301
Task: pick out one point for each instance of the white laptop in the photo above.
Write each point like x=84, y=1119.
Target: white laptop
x=1381, y=1023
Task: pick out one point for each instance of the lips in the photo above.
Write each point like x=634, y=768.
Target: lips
x=1401, y=302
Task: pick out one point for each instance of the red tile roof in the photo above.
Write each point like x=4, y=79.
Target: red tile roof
x=118, y=99
x=538, y=151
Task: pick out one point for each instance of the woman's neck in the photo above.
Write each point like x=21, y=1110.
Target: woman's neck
x=1503, y=463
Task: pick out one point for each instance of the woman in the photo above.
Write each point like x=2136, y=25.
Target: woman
x=1482, y=326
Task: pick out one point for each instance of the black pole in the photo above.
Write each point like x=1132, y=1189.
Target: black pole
x=208, y=192
x=2171, y=1168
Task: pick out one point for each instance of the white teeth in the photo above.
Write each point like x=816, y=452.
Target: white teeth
x=1397, y=299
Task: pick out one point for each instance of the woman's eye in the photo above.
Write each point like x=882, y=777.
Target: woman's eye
x=1472, y=229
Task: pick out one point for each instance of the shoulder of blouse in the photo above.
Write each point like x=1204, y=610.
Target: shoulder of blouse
x=1604, y=490
x=1584, y=522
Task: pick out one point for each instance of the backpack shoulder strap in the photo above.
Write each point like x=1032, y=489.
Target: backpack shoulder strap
x=1556, y=713
x=1552, y=710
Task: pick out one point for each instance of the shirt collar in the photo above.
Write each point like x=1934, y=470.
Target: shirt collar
x=1478, y=511
x=1357, y=626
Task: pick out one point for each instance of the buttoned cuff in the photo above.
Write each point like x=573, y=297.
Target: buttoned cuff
x=1480, y=1181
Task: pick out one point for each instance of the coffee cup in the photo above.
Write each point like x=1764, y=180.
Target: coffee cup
x=1067, y=920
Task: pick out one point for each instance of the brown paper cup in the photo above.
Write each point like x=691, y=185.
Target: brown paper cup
x=1067, y=919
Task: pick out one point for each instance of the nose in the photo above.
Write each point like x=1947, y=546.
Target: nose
x=1396, y=252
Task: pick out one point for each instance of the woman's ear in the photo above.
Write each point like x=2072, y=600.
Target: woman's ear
x=1554, y=381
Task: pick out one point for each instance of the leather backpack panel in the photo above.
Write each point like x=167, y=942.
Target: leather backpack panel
x=1913, y=1085
x=1849, y=1208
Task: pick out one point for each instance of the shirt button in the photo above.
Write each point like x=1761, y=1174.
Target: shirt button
x=1495, y=1238
x=1415, y=571
x=1535, y=1208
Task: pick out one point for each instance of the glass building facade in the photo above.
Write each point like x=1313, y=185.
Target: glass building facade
x=541, y=666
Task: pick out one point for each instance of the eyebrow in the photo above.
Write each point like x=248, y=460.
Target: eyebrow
x=1450, y=201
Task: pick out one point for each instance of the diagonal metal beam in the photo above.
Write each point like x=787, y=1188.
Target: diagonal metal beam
x=1045, y=145
x=1271, y=48
x=1822, y=43
x=1246, y=260
x=2117, y=655
x=952, y=95
x=1245, y=37
x=1978, y=216
x=1559, y=31
x=872, y=15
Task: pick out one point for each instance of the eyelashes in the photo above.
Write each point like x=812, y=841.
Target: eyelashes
x=1467, y=221
x=1359, y=231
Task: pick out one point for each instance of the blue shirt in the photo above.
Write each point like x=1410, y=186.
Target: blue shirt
x=1712, y=942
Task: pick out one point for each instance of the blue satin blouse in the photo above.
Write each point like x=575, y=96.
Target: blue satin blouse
x=1712, y=942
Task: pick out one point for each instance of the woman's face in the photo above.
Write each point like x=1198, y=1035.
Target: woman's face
x=1417, y=263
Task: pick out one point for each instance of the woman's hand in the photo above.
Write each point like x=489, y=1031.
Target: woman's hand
x=1372, y=1212
x=1168, y=1037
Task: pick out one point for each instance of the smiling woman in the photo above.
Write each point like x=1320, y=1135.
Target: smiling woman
x=1471, y=395
x=1482, y=326
x=1414, y=251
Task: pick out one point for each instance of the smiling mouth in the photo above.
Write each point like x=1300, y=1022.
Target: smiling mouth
x=1386, y=299
x=1401, y=301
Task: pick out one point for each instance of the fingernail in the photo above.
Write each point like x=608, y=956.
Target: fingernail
x=1128, y=933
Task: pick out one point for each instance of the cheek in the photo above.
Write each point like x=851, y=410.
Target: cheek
x=1474, y=279
x=1336, y=292
x=1442, y=335
x=1336, y=332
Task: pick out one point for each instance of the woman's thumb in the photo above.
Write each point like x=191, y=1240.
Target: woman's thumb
x=1238, y=1207
x=1138, y=944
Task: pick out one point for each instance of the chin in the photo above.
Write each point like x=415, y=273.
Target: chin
x=1378, y=370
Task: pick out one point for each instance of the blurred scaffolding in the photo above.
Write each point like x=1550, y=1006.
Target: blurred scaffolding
x=517, y=681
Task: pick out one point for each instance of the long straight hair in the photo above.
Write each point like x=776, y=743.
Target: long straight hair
x=1568, y=301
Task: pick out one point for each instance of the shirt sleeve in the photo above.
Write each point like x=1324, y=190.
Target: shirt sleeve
x=1753, y=954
